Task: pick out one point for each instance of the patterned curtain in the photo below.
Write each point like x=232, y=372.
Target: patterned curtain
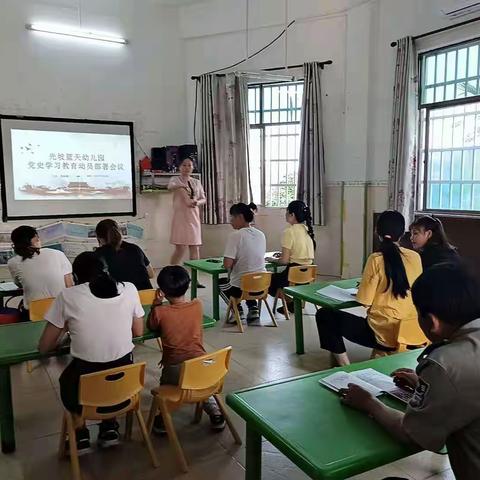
x=311, y=172
x=224, y=144
x=402, y=171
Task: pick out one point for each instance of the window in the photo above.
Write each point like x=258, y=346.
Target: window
x=450, y=128
x=274, y=114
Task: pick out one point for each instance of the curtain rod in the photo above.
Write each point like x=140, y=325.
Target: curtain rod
x=272, y=69
x=440, y=30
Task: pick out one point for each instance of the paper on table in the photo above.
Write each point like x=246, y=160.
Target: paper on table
x=384, y=383
x=338, y=380
x=337, y=293
x=7, y=286
x=379, y=380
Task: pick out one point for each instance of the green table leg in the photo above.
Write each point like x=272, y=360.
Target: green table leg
x=193, y=288
x=253, y=463
x=215, y=297
x=7, y=427
x=297, y=304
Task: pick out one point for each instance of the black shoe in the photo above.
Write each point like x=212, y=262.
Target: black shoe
x=231, y=320
x=82, y=438
x=159, y=426
x=290, y=308
x=253, y=316
x=217, y=423
x=108, y=435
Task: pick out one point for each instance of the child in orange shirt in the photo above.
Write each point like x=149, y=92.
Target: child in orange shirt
x=180, y=324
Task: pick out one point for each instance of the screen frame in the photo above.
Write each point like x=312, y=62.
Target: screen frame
x=3, y=193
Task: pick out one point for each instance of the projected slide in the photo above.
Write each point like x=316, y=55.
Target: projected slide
x=70, y=166
x=55, y=168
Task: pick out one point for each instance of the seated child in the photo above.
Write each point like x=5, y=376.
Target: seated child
x=244, y=253
x=180, y=324
x=444, y=409
x=384, y=290
x=101, y=316
x=429, y=239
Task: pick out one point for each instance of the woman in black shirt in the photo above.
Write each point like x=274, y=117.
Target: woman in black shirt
x=429, y=239
x=126, y=261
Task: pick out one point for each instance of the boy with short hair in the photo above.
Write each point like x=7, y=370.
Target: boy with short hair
x=244, y=253
x=180, y=324
x=445, y=409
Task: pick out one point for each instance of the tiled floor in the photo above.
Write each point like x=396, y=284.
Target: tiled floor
x=260, y=355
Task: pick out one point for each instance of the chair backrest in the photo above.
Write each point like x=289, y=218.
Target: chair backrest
x=410, y=333
x=147, y=296
x=38, y=308
x=111, y=391
x=206, y=372
x=302, y=274
x=254, y=286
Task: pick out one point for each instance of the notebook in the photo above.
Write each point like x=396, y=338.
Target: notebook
x=374, y=382
x=337, y=293
x=8, y=286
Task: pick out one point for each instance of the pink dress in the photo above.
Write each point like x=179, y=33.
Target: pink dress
x=186, y=224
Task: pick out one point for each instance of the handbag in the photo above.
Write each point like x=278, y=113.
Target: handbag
x=10, y=314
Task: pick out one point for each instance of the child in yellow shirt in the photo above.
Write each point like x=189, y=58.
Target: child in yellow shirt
x=384, y=290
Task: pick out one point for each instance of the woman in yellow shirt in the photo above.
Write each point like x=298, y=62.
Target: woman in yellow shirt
x=298, y=246
x=384, y=290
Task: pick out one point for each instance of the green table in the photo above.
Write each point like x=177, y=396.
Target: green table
x=310, y=426
x=308, y=293
x=18, y=343
x=215, y=268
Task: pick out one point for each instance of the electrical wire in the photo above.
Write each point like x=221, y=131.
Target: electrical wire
x=254, y=54
x=139, y=146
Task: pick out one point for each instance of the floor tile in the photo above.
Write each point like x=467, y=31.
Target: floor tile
x=260, y=355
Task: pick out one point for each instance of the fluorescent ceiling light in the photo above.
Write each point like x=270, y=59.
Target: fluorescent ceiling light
x=73, y=32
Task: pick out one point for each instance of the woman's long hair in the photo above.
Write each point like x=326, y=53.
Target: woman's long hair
x=303, y=215
x=439, y=237
x=390, y=228
x=87, y=267
x=109, y=231
x=22, y=241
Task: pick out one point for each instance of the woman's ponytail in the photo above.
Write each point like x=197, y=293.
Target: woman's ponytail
x=390, y=228
x=103, y=286
x=309, y=224
x=303, y=215
x=88, y=268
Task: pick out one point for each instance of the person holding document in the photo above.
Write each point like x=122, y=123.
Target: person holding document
x=384, y=290
x=188, y=196
x=444, y=409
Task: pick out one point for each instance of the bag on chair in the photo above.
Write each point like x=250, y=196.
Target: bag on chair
x=9, y=314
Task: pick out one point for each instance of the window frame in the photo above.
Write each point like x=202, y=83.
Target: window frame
x=261, y=127
x=423, y=134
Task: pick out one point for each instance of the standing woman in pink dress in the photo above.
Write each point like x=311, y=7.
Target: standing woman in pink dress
x=188, y=196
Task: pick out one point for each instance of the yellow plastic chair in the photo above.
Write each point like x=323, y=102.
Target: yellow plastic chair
x=37, y=310
x=254, y=286
x=114, y=388
x=200, y=378
x=299, y=275
x=147, y=297
x=410, y=335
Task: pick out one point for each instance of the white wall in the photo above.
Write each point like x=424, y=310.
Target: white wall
x=142, y=82
x=149, y=82
x=357, y=93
